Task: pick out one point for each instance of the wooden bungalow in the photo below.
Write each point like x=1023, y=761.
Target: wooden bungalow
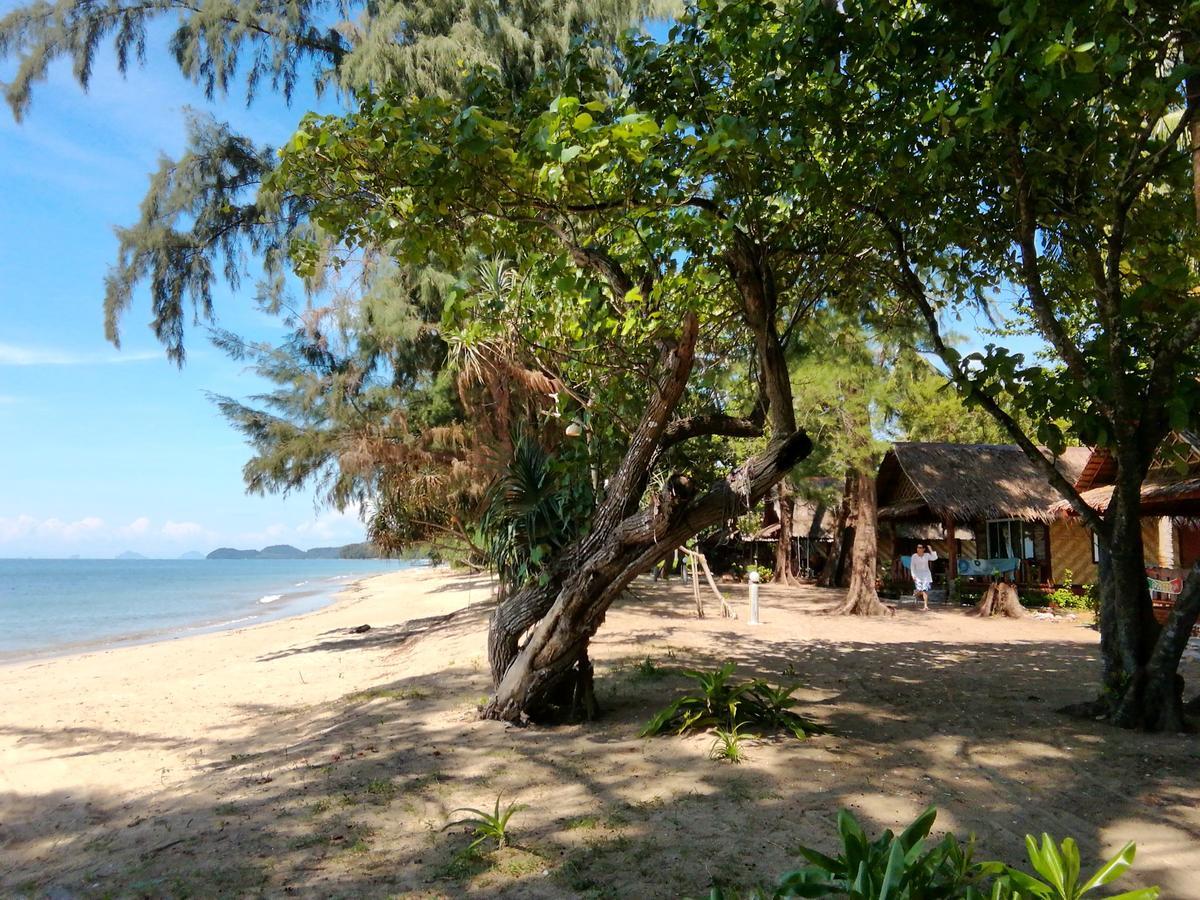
x=982, y=507
x=1170, y=513
x=814, y=515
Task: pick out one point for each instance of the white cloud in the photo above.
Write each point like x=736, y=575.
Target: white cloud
x=181, y=530
x=138, y=526
x=57, y=528
x=13, y=355
x=17, y=527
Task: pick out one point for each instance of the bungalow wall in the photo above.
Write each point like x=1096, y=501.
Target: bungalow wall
x=1071, y=548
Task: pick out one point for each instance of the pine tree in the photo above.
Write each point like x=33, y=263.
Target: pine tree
x=202, y=217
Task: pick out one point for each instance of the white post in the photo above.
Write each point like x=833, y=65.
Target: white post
x=753, y=620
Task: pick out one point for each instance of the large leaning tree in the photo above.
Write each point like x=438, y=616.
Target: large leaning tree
x=668, y=226
x=1050, y=151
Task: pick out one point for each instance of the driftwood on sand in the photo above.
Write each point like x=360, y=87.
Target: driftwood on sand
x=1000, y=599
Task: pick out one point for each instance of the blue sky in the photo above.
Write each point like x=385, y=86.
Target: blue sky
x=103, y=450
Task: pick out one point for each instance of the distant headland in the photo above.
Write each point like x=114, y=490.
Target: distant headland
x=287, y=551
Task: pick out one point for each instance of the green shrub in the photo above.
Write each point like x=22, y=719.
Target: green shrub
x=486, y=826
x=901, y=867
x=728, y=744
x=721, y=703
x=1065, y=597
x=1035, y=599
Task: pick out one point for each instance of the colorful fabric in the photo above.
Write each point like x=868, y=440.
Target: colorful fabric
x=1162, y=586
x=982, y=568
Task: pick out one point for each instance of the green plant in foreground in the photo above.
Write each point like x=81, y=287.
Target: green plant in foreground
x=892, y=866
x=728, y=744
x=486, y=826
x=721, y=703
x=901, y=867
x=1059, y=866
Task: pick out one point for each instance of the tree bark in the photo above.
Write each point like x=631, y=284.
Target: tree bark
x=1000, y=599
x=862, y=598
x=1128, y=629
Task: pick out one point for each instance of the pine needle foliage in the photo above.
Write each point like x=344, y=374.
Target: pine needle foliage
x=203, y=217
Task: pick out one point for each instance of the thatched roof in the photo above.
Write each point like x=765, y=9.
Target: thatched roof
x=968, y=482
x=1180, y=499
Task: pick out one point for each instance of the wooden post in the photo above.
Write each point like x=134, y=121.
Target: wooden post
x=952, y=561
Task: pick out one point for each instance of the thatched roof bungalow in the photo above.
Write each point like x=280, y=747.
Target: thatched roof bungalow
x=967, y=483
x=1170, y=500
x=972, y=502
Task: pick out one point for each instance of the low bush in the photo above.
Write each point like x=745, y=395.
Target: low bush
x=722, y=703
x=1065, y=597
x=727, y=747
x=904, y=867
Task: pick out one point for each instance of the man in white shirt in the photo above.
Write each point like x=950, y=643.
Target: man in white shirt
x=923, y=578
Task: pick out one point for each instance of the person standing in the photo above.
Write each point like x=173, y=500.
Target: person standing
x=922, y=577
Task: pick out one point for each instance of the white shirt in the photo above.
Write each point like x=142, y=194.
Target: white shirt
x=920, y=565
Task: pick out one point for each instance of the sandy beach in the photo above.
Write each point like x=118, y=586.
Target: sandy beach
x=300, y=758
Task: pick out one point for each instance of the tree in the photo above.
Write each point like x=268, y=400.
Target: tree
x=611, y=207
x=845, y=385
x=202, y=217
x=1039, y=147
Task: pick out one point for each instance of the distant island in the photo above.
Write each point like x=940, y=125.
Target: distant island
x=363, y=550
x=129, y=554
x=192, y=554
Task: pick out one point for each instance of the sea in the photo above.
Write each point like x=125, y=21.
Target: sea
x=50, y=607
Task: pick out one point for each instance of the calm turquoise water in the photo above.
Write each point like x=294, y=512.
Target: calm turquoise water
x=56, y=606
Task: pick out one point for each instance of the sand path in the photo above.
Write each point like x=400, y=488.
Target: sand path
x=295, y=758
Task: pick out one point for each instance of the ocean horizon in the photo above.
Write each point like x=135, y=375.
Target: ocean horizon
x=50, y=607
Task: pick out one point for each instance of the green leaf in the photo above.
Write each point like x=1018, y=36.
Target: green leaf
x=894, y=872
x=1113, y=869
x=1054, y=53
x=1047, y=861
x=919, y=829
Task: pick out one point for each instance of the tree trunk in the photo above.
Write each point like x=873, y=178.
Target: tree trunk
x=596, y=570
x=831, y=572
x=862, y=598
x=538, y=639
x=520, y=612
x=785, y=555
x=1000, y=599
x=1128, y=629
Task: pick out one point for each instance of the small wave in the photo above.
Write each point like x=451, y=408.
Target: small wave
x=234, y=622
x=270, y=598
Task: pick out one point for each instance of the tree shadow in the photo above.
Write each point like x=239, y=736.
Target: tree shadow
x=348, y=798
x=388, y=636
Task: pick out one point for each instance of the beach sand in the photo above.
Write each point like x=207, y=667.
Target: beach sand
x=296, y=758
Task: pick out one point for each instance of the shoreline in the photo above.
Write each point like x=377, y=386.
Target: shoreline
x=304, y=603
x=143, y=720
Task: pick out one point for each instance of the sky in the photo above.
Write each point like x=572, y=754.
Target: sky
x=103, y=451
